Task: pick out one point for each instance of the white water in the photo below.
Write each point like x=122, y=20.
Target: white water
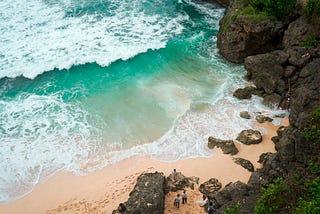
x=43, y=35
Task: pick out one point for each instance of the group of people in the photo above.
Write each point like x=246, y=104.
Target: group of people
x=184, y=197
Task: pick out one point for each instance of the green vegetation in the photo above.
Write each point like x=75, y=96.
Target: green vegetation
x=312, y=41
x=233, y=210
x=312, y=129
x=271, y=198
x=255, y=14
x=273, y=8
x=313, y=7
x=310, y=204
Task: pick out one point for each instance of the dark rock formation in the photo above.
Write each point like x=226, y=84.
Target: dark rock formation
x=290, y=73
x=147, y=197
x=250, y=137
x=245, y=115
x=261, y=118
x=181, y=182
x=272, y=100
x=264, y=157
x=243, y=93
x=210, y=186
x=240, y=36
x=227, y=146
x=244, y=163
x=266, y=71
x=234, y=192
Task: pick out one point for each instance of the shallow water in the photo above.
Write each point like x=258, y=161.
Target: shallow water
x=88, y=83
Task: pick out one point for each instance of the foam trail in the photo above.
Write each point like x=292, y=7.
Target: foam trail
x=41, y=36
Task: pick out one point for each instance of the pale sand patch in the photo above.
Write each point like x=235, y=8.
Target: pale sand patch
x=102, y=191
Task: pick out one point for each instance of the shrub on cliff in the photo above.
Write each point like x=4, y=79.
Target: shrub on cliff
x=313, y=7
x=312, y=129
x=276, y=8
x=271, y=198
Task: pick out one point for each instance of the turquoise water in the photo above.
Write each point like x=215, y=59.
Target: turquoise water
x=88, y=83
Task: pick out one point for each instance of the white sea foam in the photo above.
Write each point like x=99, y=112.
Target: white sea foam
x=43, y=35
x=40, y=134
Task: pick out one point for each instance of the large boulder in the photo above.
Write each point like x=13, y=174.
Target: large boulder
x=227, y=146
x=210, y=186
x=147, y=197
x=241, y=36
x=244, y=163
x=266, y=71
x=250, y=137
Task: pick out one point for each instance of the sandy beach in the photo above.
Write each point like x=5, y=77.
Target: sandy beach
x=102, y=191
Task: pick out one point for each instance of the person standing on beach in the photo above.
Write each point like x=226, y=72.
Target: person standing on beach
x=174, y=174
x=184, y=197
x=177, y=201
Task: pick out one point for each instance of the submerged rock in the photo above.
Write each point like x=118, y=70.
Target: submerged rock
x=245, y=115
x=261, y=118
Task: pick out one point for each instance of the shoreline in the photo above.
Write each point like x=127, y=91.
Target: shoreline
x=103, y=190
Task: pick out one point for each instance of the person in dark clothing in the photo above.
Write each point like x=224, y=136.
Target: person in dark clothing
x=122, y=208
x=211, y=208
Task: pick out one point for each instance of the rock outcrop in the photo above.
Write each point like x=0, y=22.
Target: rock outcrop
x=244, y=163
x=288, y=76
x=227, y=146
x=180, y=182
x=240, y=36
x=147, y=197
x=249, y=137
x=210, y=186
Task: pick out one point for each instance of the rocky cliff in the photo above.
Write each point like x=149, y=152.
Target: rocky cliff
x=282, y=59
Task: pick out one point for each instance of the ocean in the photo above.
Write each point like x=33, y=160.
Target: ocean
x=87, y=83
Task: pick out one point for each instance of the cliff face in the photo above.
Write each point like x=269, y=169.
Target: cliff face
x=282, y=60
x=241, y=36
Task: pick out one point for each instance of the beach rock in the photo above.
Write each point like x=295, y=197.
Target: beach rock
x=210, y=186
x=245, y=115
x=244, y=163
x=250, y=137
x=227, y=146
x=147, y=197
x=181, y=182
x=261, y=118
